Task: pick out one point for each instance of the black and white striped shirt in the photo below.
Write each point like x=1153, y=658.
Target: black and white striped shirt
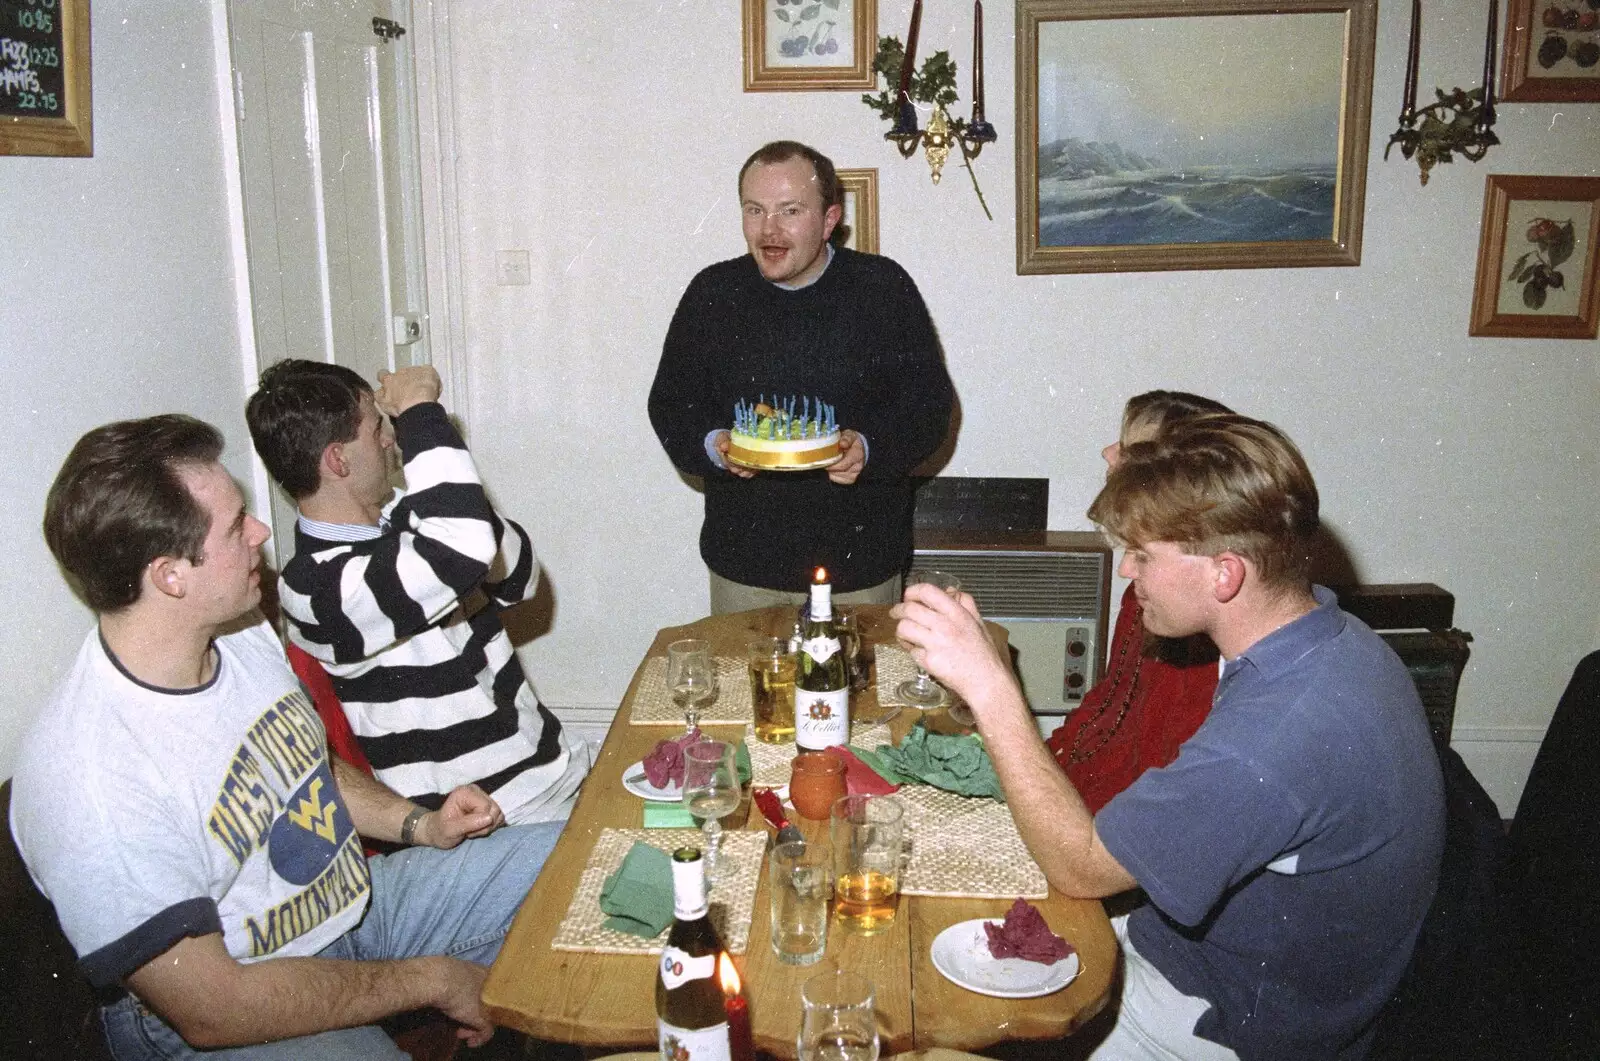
x=407, y=624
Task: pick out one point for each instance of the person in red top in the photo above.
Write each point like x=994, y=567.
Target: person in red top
x=1156, y=690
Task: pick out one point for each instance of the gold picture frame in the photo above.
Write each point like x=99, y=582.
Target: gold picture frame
x=860, y=192
x=1191, y=134
x=810, y=45
x=58, y=60
x=1528, y=78
x=1537, y=233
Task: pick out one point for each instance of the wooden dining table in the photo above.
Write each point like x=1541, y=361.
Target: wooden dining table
x=608, y=1000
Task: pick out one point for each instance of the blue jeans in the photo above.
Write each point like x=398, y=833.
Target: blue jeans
x=424, y=902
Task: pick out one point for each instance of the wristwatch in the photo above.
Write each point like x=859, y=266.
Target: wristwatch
x=408, y=828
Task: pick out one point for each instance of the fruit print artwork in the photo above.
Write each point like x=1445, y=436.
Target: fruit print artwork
x=1572, y=34
x=1538, y=270
x=810, y=27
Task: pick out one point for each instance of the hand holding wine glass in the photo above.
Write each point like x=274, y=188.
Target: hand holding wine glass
x=710, y=791
x=922, y=691
x=691, y=677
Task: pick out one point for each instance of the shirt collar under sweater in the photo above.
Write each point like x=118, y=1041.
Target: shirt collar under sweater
x=343, y=532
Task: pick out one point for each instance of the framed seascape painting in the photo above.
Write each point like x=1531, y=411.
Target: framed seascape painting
x=860, y=208
x=1552, y=52
x=1538, y=258
x=1191, y=134
x=803, y=45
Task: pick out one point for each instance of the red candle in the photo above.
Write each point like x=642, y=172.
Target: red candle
x=1408, y=97
x=977, y=61
x=741, y=1045
x=902, y=95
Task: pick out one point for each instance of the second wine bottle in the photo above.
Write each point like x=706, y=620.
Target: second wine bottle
x=822, y=686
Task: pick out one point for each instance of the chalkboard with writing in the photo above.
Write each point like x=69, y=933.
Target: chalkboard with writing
x=31, y=82
x=44, y=77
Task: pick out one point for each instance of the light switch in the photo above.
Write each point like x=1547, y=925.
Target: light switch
x=511, y=269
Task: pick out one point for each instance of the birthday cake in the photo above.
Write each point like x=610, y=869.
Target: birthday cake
x=788, y=435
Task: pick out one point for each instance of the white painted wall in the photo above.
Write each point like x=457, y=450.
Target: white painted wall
x=119, y=282
x=608, y=146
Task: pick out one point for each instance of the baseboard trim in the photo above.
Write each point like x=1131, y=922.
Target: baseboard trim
x=1496, y=734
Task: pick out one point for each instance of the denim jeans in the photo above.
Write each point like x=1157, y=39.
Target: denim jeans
x=424, y=902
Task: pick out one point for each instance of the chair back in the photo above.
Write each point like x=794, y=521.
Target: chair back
x=51, y=1012
x=1436, y=1013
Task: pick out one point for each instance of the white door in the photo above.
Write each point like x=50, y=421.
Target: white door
x=328, y=158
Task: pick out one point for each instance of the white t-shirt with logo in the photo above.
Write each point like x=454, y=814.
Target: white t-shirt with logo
x=147, y=815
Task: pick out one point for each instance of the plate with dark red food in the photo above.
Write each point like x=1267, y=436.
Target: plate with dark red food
x=1014, y=957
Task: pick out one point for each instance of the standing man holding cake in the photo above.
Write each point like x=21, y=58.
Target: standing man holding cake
x=798, y=316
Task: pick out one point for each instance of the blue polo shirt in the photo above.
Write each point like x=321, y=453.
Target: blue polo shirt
x=1291, y=851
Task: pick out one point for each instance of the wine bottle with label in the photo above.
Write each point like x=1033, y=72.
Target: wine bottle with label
x=691, y=1021
x=822, y=687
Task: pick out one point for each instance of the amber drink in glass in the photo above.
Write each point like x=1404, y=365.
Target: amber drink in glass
x=772, y=670
x=867, y=833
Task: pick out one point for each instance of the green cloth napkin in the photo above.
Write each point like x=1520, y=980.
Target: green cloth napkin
x=943, y=760
x=882, y=768
x=638, y=896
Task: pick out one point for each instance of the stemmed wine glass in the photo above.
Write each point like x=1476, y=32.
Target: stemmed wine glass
x=710, y=791
x=692, y=678
x=922, y=691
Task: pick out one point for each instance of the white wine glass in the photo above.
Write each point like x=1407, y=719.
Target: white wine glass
x=837, y=1022
x=922, y=691
x=710, y=792
x=691, y=678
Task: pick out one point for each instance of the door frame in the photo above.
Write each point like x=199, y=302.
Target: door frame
x=441, y=243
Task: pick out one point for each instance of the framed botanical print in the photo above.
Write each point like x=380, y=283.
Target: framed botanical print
x=860, y=208
x=1538, y=258
x=1552, y=52
x=805, y=45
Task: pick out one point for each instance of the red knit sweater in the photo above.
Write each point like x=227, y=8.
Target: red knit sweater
x=1150, y=701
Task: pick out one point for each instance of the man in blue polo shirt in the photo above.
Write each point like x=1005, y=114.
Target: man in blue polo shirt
x=1291, y=851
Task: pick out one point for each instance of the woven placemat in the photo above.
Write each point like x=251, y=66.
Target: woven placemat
x=894, y=666
x=966, y=848
x=770, y=764
x=653, y=706
x=733, y=895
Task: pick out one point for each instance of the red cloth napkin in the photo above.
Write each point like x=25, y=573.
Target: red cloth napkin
x=859, y=778
x=1025, y=935
x=663, y=767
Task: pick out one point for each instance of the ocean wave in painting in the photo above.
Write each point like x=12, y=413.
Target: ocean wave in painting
x=1210, y=205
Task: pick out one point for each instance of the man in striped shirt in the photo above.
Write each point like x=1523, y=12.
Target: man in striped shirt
x=398, y=593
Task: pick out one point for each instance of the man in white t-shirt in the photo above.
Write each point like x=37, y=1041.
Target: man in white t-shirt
x=176, y=801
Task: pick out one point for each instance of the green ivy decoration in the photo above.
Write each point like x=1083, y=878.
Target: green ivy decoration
x=934, y=84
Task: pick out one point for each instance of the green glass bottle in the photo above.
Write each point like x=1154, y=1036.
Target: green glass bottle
x=691, y=1019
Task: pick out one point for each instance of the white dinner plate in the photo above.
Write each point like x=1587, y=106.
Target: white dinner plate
x=961, y=953
x=645, y=790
